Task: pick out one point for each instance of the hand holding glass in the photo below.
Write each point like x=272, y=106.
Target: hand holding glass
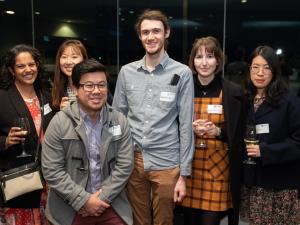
x=71, y=94
x=23, y=124
x=199, y=124
x=250, y=139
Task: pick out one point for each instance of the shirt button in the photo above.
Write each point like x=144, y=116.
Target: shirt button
x=146, y=121
x=148, y=106
x=144, y=137
x=150, y=89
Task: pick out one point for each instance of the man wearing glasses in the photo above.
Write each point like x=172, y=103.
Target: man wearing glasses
x=87, y=155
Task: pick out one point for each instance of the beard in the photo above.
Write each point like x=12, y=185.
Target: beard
x=155, y=51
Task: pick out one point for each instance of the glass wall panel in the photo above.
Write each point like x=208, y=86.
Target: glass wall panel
x=93, y=22
x=189, y=19
x=274, y=23
x=107, y=28
x=15, y=23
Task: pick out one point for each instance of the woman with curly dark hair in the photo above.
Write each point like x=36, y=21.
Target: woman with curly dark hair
x=271, y=190
x=23, y=93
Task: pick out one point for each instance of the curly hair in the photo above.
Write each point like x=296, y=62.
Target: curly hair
x=276, y=87
x=8, y=63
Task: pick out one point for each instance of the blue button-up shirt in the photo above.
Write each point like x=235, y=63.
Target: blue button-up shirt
x=93, y=133
x=159, y=113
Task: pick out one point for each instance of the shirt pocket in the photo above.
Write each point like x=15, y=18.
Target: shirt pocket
x=76, y=160
x=167, y=97
x=134, y=94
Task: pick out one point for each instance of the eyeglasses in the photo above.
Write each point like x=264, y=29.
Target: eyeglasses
x=91, y=86
x=256, y=68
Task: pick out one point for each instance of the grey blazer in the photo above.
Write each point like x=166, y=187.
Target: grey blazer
x=66, y=168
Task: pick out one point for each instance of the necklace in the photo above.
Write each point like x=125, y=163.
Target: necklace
x=258, y=99
x=30, y=100
x=204, y=92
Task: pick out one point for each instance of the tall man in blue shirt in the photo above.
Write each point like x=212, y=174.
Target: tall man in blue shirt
x=156, y=94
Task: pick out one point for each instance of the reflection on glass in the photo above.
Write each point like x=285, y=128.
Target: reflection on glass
x=250, y=139
x=23, y=124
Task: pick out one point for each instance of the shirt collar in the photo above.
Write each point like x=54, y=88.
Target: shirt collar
x=86, y=117
x=141, y=64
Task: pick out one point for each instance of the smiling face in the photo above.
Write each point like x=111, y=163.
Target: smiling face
x=205, y=63
x=68, y=59
x=260, y=73
x=153, y=36
x=92, y=101
x=25, y=69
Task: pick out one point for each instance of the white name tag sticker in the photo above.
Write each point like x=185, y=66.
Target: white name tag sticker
x=214, y=109
x=262, y=128
x=47, y=109
x=167, y=96
x=115, y=130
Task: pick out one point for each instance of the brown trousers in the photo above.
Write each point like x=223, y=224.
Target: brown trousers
x=151, y=194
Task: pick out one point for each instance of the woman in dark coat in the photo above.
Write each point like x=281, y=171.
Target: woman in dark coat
x=213, y=189
x=23, y=93
x=272, y=185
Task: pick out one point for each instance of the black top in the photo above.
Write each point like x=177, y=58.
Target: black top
x=211, y=90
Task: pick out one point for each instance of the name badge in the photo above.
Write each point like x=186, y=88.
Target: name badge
x=214, y=109
x=262, y=128
x=115, y=130
x=47, y=109
x=167, y=96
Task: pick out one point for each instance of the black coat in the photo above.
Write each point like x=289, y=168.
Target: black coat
x=13, y=106
x=234, y=112
x=279, y=164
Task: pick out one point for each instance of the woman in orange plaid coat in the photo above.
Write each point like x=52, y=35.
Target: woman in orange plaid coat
x=213, y=189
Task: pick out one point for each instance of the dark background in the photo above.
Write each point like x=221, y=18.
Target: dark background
x=106, y=27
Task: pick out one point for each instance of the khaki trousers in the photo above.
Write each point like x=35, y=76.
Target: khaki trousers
x=151, y=194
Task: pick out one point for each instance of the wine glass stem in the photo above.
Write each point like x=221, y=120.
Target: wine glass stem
x=201, y=139
x=23, y=147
